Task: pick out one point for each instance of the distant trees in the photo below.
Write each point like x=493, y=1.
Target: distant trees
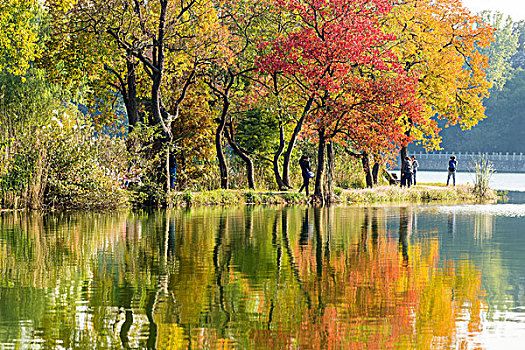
x=503, y=130
x=501, y=50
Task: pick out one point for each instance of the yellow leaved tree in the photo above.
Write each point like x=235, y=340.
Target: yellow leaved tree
x=18, y=35
x=440, y=43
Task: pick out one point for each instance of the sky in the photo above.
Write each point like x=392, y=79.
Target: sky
x=514, y=8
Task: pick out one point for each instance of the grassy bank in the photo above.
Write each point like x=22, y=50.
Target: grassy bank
x=381, y=194
x=416, y=194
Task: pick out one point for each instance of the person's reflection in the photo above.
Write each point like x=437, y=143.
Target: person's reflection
x=307, y=229
x=452, y=224
x=405, y=229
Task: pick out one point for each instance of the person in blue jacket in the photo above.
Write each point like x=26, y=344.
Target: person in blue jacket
x=452, y=166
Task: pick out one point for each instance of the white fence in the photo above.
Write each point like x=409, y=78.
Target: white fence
x=506, y=162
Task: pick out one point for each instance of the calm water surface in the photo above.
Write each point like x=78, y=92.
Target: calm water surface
x=498, y=181
x=394, y=277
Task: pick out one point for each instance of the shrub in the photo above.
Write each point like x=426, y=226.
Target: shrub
x=483, y=170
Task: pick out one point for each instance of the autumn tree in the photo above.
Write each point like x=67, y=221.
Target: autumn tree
x=148, y=50
x=440, y=44
x=231, y=80
x=81, y=55
x=331, y=49
x=369, y=123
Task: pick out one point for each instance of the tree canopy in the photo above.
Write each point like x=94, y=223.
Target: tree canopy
x=19, y=32
x=256, y=79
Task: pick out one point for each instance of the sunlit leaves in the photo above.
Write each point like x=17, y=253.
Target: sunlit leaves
x=18, y=34
x=440, y=43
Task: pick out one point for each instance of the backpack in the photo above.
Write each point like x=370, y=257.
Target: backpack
x=451, y=165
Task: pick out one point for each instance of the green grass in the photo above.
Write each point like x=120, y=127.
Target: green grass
x=380, y=194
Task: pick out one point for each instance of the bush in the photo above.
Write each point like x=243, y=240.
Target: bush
x=483, y=170
x=53, y=157
x=78, y=177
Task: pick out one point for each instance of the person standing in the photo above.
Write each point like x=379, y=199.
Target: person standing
x=452, y=166
x=306, y=172
x=415, y=165
x=406, y=172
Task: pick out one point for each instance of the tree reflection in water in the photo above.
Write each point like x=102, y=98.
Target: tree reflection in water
x=246, y=277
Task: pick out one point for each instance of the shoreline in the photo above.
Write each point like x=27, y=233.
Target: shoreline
x=422, y=193
x=380, y=194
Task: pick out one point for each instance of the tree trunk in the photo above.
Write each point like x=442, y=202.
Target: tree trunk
x=330, y=173
x=375, y=172
x=247, y=160
x=291, y=142
x=280, y=183
x=157, y=73
x=223, y=169
x=155, y=101
x=168, y=175
x=318, y=189
x=130, y=99
x=403, y=153
x=366, y=167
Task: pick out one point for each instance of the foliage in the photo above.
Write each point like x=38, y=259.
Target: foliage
x=193, y=144
x=336, y=56
x=503, y=130
x=518, y=60
x=78, y=178
x=319, y=56
x=369, y=76
x=440, y=43
x=501, y=49
x=416, y=194
x=234, y=197
x=18, y=35
x=51, y=158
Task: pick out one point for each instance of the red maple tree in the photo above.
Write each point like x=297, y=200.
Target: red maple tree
x=335, y=53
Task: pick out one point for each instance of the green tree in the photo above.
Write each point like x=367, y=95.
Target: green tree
x=18, y=34
x=501, y=49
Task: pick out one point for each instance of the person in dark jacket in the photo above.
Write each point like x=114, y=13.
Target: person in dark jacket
x=415, y=166
x=306, y=172
x=406, y=172
x=452, y=165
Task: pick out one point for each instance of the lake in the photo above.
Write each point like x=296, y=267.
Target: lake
x=499, y=181
x=380, y=277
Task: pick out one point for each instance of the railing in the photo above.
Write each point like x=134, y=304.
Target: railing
x=503, y=162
